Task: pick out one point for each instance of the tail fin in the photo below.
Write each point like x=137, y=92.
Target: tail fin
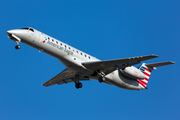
x=147, y=72
x=146, y=69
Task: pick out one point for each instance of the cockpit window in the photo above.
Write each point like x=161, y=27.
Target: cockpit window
x=28, y=28
x=31, y=29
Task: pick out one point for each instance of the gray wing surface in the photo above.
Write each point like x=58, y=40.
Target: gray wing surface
x=110, y=65
x=62, y=78
x=159, y=64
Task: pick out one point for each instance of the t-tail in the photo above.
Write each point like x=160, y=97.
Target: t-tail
x=146, y=69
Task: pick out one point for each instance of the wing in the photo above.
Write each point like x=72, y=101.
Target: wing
x=110, y=65
x=62, y=78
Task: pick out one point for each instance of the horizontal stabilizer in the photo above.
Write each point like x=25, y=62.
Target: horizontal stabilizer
x=159, y=64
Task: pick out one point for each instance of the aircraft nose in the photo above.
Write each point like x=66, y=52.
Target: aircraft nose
x=12, y=31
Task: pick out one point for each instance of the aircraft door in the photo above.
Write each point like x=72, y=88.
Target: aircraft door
x=39, y=37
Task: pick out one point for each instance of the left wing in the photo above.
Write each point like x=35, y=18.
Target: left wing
x=62, y=78
x=110, y=65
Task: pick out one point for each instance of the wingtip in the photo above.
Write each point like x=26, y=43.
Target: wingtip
x=43, y=85
x=155, y=55
x=171, y=62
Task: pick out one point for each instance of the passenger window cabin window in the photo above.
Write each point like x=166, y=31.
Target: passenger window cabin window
x=57, y=42
x=65, y=45
x=77, y=51
x=48, y=38
x=85, y=55
x=52, y=40
x=61, y=44
x=69, y=48
x=89, y=57
x=81, y=53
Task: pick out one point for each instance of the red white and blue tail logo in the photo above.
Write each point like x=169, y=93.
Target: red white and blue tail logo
x=147, y=72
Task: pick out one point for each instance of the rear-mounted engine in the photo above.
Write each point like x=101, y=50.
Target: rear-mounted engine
x=133, y=72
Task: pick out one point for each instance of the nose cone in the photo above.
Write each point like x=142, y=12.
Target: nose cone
x=13, y=31
x=10, y=32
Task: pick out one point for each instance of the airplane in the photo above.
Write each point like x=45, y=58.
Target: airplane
x=82, y=66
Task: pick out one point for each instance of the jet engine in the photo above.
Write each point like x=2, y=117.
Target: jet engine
x=133, y=72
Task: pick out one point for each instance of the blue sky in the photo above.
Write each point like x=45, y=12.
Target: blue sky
x=104, y=29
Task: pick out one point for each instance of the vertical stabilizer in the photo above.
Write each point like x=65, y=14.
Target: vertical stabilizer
x=146, y=70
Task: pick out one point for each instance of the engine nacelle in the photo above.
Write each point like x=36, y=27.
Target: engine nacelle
x=133, y=72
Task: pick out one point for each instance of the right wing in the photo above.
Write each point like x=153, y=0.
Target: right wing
x=62, y=78
x=109, y=66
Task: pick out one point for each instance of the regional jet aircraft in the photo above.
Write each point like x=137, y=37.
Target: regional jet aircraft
x=82, y=66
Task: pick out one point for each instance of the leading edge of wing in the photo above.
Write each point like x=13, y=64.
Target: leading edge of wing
x=104, y=65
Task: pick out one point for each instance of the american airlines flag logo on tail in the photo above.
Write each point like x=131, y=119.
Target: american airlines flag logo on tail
x=147, y=73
